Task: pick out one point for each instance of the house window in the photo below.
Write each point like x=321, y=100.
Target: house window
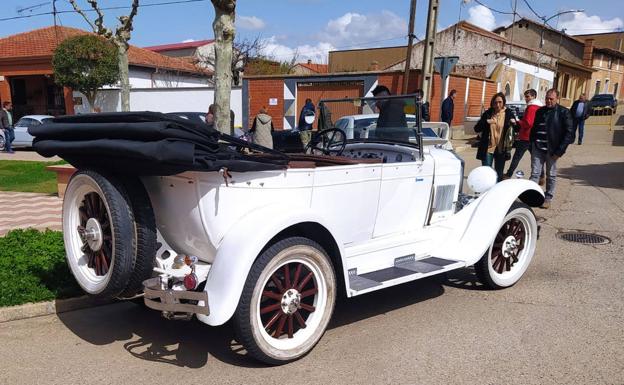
x=615, y=90
x=597, y=90
x=564, y=88
x=610, y=63
x=606, y=90
x=507, y=90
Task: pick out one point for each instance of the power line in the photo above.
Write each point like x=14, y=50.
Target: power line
x=104, y=9
x=532, y=10
x=494, y=10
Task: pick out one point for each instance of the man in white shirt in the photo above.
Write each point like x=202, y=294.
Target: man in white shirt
x=580, y=112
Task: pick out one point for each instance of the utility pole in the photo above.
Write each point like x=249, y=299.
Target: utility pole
x=427, y=66
x=410, y=42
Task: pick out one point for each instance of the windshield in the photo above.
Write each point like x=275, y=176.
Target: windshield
x=375, y=119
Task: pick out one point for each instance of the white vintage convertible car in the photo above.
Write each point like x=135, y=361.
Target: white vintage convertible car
x=270, y=240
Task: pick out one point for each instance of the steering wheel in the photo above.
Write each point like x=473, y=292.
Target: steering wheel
x=331, y=141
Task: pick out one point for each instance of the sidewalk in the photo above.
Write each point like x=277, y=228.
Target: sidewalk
x=20, y=210
x=21, y=154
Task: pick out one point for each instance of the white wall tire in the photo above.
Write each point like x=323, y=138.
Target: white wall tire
x=512, y=249
x=102, y=257
x=287, y=301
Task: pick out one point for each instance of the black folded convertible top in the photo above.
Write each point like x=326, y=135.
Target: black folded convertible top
x=147, y=143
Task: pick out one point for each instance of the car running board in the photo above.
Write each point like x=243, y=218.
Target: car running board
x=405, y=269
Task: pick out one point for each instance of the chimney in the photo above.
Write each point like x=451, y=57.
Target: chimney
x=374, y=66
x=588, y=53
x=309, y=61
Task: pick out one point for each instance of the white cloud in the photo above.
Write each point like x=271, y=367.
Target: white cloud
x=351, y=30
x=280, y=52
x=250, y=22
x=581, y=23
x=354, y=30
x=188, y=40
x=481, y=17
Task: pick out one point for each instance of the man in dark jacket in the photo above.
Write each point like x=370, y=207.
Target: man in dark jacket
x=307, y=110
x=6, y=124
x=424, y=108
x=391, y=115
x=447, y=108
x=580, y=112
x=551, y=134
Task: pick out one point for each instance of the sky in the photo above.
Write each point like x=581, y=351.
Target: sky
x=311, y=28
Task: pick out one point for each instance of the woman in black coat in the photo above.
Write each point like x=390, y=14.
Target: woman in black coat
x=496, y=128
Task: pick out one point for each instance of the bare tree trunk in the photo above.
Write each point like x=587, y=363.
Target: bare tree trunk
x=224, y=30
x=124, y=75
x=91, y=99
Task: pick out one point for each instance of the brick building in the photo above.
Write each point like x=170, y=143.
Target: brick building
x=605, y=54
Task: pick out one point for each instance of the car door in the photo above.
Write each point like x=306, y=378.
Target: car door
x=404, y=196
x=22, y=137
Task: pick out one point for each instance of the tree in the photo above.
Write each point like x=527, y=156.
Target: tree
x=85, y=63
x=243, y=51
x=119, y=38
x=224, y=31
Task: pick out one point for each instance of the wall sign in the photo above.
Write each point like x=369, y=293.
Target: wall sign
x=272, y=101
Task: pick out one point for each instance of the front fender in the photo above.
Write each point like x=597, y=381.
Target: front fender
x=472, y=230
x=240, y=248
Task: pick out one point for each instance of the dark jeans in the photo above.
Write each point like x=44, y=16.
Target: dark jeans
x=522, y=146
x=9, y=137
x=581, y=129
x=498, y=159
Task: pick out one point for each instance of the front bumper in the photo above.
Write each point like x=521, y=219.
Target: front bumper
x=168, y=300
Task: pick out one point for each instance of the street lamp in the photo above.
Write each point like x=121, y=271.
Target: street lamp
x=552, y=17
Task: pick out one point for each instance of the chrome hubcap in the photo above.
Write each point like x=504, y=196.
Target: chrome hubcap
x=93, y=234
x=510, y=247
x=291, y=301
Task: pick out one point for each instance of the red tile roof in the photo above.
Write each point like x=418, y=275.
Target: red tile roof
x=175, y=46
x=318, y=68
x=42, y=43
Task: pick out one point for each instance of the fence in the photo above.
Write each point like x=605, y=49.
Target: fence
x=603, y=116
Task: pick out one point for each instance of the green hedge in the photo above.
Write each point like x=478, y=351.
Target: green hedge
x=33, y=268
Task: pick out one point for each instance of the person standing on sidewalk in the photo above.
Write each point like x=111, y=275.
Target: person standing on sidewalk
x=6, y=123
x=522, y=143
x=496, y=131
x=262, y=129
x=552, y=133
x=448, y=105
x=580, y=112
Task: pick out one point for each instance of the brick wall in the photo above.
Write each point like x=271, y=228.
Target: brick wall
x=260, y=91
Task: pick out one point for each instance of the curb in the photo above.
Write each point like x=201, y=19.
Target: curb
x=31, y=310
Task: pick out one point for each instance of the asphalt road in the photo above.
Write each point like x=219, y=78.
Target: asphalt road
x=563, y=323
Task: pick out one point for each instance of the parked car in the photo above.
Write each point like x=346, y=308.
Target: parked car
x=195, y=117
x=517, y=108
x=364, y=125
x=22, y=137
x=603, y=104
x=270, y=240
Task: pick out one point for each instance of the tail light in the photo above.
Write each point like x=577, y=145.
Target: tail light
x=190, y=281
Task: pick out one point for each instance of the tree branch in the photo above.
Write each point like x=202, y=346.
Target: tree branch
x=227, y=6
x=84, y=16
x=99, y=22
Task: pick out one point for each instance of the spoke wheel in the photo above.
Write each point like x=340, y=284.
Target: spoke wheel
x=287, y=301
x=512, y=249
x=99, y=233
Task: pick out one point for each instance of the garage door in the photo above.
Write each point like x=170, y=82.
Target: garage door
x=330, y=90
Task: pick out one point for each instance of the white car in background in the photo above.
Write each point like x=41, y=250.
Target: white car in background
x=363, y=126
x=22, y=137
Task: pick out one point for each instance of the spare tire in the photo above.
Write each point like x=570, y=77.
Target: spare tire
x=99, y=233
x=145, y=232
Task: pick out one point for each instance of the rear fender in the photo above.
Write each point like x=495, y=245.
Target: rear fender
x=472, y=230
x=240, y=248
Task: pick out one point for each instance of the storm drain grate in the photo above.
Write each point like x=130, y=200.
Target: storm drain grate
x=586, y=238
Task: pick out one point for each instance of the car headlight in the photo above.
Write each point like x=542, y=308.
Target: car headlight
x=482, y=179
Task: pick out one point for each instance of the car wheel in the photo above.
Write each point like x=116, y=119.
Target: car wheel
x=145, y=230
x=99, y=233
x=2, y=143
x=512, y=249
x=287, y=301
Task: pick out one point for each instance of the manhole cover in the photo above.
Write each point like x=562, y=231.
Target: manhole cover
x=586, y=238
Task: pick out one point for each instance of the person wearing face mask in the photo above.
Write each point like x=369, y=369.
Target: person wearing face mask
x=497, y=134
x=551, y=134
x=525, y=124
